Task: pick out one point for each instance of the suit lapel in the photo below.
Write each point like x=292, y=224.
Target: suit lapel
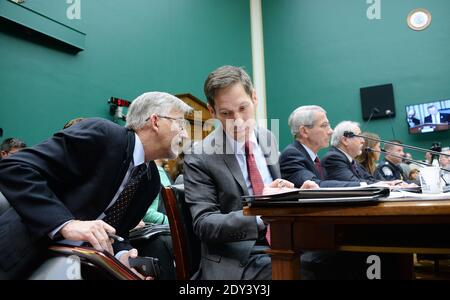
x=355, y=169
x=312, y=165
x=269, y=149
x=222, y=146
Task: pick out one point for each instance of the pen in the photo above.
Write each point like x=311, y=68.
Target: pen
x=116, y=237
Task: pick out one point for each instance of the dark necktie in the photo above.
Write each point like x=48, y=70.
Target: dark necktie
x=255, y=177
x=355, y=168
x=319, y=167
x=253, y=172
x=116, y=212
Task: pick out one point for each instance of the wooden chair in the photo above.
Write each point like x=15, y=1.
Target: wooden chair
x=186, y=245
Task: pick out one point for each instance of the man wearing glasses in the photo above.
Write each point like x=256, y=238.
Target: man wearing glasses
x=88, y=181
x=299, y=161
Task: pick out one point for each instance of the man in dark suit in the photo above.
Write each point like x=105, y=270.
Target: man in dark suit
x=234, y=160
x=339, y=162
x=435, y=117
x=299, y=161
x=87, y=181
x=412, y=120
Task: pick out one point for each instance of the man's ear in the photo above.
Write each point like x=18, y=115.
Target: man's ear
x=211, y=110
x=302, y=132
x=254, y=98
x=153, y=122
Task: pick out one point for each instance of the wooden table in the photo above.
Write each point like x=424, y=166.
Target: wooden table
x=383, y=227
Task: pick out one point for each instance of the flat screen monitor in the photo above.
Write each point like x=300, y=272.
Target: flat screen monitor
x=428, y=117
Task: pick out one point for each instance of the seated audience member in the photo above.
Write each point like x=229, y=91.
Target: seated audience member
x=390, y=168
x=428, y=157
x=236, y=159
x=11, y=146
x=87, y=181
x=153, y=214
x=414, y=174
x=339, y=162
x=299, y=161
x=368, y=159
x=180, y=171
x=444, y=162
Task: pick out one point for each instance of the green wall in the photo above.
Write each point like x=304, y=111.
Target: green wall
x=131, y=46
x=322, y=51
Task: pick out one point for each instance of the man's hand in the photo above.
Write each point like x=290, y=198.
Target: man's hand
x=133, y=253
x=140, y=225
x=281, y=183
x=393, y=182
x=94, y=232
x=308, y=184
x=278, y=186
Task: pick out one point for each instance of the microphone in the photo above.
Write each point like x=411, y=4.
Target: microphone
x=418, y=162
x=375, y=110
x=389, y=113
x=350, y=134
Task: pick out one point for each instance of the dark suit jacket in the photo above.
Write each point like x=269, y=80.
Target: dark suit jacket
x=297, y=167
x=415, y=121
x=445, y=118
x=214, y=185
x=75, y=175
x=339, y=168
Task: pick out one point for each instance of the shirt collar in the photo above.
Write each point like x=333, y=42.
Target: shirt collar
x=310, y=152
x=348, y=156
x=138, y=152
x=238, y=147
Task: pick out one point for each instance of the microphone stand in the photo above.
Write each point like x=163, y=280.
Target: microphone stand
x=374, y=111
x=350, y=134
x=389, y=113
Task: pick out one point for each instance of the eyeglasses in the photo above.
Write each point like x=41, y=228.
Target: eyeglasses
x=323, y=125
x=182, y=123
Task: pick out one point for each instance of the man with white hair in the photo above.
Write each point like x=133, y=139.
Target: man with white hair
x=88, y=181
x=444, y=162
x=339, y=162
x=299, y=161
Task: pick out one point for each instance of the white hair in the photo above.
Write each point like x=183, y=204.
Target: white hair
x=338, y=131
x=303, y=115
x=153, y=103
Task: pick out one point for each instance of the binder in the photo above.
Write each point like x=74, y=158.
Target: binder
x=101, y=260
x=321, y=196
x=149, y=231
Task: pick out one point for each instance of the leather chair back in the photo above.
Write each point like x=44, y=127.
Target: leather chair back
x=186, y=245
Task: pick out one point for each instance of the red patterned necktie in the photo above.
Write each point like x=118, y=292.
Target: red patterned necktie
x=253, y=172
x=319, y=167
x=116, y=212
x=255, y=177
